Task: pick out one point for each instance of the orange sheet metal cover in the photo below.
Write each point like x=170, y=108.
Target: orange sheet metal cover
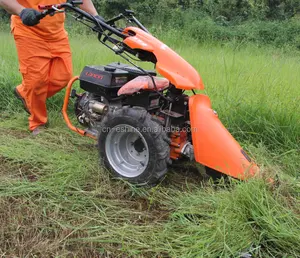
x=213, y=145
x=169, y=64
x=49, y=28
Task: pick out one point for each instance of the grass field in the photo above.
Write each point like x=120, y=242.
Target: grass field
x=56, y=202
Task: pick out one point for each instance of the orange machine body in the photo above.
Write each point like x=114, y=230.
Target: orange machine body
x=169, y=64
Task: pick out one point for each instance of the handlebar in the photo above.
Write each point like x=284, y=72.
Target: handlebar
x=102, y=27
x=51, y=9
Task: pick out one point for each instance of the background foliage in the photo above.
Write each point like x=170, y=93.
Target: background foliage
x=229, y=10
x=275, y=22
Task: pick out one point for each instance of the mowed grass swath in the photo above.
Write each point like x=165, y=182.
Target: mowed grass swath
x=56, y=200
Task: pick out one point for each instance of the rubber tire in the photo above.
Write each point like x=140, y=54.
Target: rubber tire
x=157, y=140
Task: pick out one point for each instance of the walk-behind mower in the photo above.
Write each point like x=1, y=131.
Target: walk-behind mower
x=143, y=122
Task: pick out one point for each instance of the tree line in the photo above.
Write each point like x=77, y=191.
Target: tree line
x=226, y=10
x=229, y=10
x=274, y=22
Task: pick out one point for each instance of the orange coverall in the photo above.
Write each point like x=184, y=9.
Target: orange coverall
x=45, y=60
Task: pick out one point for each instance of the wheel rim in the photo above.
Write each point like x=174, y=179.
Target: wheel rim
x=127, y=150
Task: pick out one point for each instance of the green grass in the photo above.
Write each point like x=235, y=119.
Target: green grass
x=55, y=201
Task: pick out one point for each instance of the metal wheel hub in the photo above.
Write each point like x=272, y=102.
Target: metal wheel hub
x=127, y=150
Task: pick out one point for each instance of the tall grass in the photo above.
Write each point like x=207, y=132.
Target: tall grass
x=56, y=201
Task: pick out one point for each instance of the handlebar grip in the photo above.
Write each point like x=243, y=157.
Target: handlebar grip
x=45, y=7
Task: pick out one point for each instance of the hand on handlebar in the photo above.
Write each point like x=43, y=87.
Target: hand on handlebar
x=30, y=17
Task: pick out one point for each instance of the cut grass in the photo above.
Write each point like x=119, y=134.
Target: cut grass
x=56, y=201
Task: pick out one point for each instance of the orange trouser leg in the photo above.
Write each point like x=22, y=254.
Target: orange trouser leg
x=40, y=62
x=61, y=66
x=34, y=60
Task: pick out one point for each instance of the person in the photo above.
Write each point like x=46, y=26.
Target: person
x=44, y=54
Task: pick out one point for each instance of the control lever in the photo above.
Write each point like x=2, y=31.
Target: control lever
x=129, y=12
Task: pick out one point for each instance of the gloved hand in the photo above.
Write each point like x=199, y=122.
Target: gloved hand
x=30, y=17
